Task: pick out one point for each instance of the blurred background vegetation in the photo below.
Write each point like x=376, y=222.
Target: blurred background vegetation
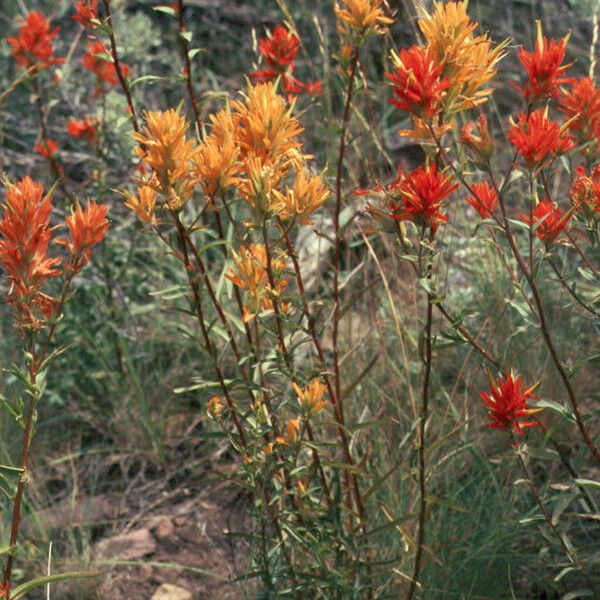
x=119, y=423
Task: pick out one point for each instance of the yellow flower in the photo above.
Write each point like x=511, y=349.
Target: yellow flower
x=251, y=275
x=304, y=198
x=143, y=203
x=469, y=60
x=164, y=147
x=266, y=128
x=311, y=397
x=363, y=17
x=217, y=160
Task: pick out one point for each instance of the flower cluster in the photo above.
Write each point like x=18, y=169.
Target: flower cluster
x=280, y=50
x=507, y=404
x=26, y=234
x=446, y=75
x=253, y=147
x=32, y=47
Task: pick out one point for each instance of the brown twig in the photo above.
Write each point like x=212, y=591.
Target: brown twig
x=118, y=67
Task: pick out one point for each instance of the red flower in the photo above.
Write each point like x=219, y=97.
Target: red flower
x=280, y=49
x=25, y=234
x=417, y=82
x=507, y=404
x=480, y=144
x=314, y=88
x=86, y=13
x=88, y=228
x=585, y=191
x=97, y=60
x=547, y=220
x=544, y=69
x=33, y=45
x=538, y=139
x=84, y=128
x=47, y=148
x=581, y=105
x=422, y=193
x=484, y=200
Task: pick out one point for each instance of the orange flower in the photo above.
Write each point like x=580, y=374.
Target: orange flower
x=144, y=203
x=83, y=128
x=539, y=140
x=251, y=275
x=32, y=48
x=484, y=200
x=266, y=128
x=507, y=404
x=46, y=148
x=543, y=67
x=86, y=13
x=547, y=220
x=585, y=192
x=417, y=82
x=363, y=17
x=581, y=105
x=311, y=397
x=88, y=228
x=305, y=197
x=98, y=61
x=292, y=431
x=25, y=234
x=422, y=193
x=165, y=147
x=217, y=159
x=480, y=144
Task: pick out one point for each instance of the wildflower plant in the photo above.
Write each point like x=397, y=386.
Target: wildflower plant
x=334, y=383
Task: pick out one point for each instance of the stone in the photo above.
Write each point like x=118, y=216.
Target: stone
x=168, y=591
x=129, y=546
